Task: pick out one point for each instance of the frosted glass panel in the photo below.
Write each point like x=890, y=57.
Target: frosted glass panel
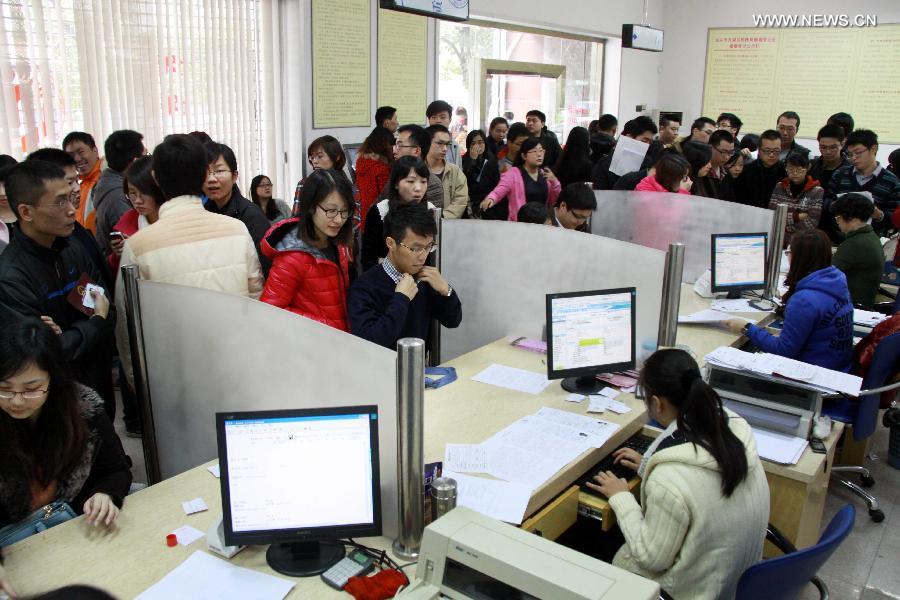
x=209, y=352
x=502, y=272
x=656, y=220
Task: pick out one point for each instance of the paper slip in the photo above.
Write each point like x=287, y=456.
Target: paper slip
x=187, y=535
x=597, y=404
x=741, y=305
x=465, y=458
x=709, y=317
x=574, y=398
x=598, y=431
x=513, y=379
x=194, y=506
x=499, y=500
x=204, y=576
x=529, y=344
x=601, y=403
x=630, y=389
x=617, y=379
x=867, y=317
x=214, y=470
x=628, y=155
x=778, y=447
x=609, y=392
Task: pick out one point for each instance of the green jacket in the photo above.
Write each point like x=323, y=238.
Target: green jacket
x=861, y=259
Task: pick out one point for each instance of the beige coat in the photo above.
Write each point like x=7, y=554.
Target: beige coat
x=689, y=538
x=456, y=191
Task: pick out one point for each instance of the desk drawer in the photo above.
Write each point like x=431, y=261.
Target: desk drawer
x=557, y=516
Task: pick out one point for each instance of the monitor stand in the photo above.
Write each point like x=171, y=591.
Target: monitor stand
x=734, y=295
x=584, y=385
x=304, y=559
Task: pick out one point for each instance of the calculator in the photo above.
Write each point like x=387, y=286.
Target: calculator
x=354, y=564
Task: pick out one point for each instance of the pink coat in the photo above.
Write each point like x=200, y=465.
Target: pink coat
x=650, y=184
x=512, y=186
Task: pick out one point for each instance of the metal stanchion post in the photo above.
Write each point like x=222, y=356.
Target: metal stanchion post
x=671, y=296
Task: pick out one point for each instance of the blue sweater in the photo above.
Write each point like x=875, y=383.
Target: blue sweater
x=381, y=315
x=818, y=323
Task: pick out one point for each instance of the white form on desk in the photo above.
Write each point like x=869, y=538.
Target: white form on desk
x=778, y=447
x=740, y=305
x=204, y=576
x=465, y=458
x=512, y=378
x=598, y=431
x=499, y=500
x=867, y=317
x=709, y=317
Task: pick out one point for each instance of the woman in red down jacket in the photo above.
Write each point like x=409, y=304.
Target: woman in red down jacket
x=373, y=169
x=311, y=253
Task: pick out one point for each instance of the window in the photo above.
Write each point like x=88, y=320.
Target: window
x=504, y=72
x=156, y=66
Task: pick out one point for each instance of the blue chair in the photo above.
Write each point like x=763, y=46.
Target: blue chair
x=862, y=415
x=784, y=577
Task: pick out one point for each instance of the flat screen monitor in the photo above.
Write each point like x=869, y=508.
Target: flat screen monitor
x=589, y=333
x=738, y=262
x=300, y=480
x=453, y=10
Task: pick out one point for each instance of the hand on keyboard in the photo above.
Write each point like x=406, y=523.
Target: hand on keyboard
x=628, y=457
x=608, y=484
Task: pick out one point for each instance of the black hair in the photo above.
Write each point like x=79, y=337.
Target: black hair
x=769, y=134
x=52, y=447
x=526, y=147
x=383, y=114
x=865, y=137
x=797, y=159
x=894, y=160
x=180, y=166
x=607, y=122
x=318, y=186
x=272, y=207
x=664, y=120
x=750, y=142
x=56, y=156
x=418, y=136
x=671, y=169
x=214, y=150
x=852, y=206
x=470, y=137
x=700, y=122
x=75, y=592
x=437, y=107
x=140, y=175
x=720, y=135
x=497, y=121
x=731, y=118
x=332, y=147
x=698, y=155
x=536, y=113
x=516, y=130
x=810, y=252
x=415, y=217
x=735, y=156
x=201, y=136
x=577, y=196
x=400, y=170
x=844, y=121
x=789, y=114
x=831, y=131
x=533, y=212
x=79, y=136
x=575, y=157
x=27, y=181
x=639, y=125
x=6, y=160
x=672, y=374
x=380, y=142
x=436, y=128
x=122, y=147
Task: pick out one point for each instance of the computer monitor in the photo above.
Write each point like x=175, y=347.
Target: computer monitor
x=589, y=333
x=738, y=262
x=299, y=480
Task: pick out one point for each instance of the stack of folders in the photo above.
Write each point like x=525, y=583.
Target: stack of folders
x=779, y=447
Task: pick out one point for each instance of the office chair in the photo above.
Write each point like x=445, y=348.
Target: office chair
x=863, y=416
x=784, y=577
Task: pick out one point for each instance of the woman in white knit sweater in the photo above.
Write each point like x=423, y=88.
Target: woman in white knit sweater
x=704, y=498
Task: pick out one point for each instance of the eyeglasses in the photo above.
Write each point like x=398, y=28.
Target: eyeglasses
x=477, y=143
x=770, y=151
x=421, y=251
x=265, y=185
x=400, y=144
x=334, y=212
x=27, y=395
x=219, y=173
x=857, y=154
x=57, y=205
x=795, y=169
x=725, y=152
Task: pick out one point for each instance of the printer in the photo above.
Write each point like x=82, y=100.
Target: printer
x=468, y=556
x=775, y=404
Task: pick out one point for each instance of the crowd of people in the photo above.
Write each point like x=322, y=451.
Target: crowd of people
x=353, y=253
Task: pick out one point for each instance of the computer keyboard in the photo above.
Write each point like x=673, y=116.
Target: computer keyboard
x=638, y=442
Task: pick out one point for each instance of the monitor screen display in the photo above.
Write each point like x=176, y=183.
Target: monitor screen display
x=454, y=10
x=305, y=473
x=738, y=261
x=590, y=331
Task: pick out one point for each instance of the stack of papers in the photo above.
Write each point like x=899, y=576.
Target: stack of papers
x=778, y=447
x=708, y=317
x=512, y=378
x=499, y=500
x=741, y=305
x=867, y=317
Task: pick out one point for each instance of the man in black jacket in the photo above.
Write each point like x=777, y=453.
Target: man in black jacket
x=640, y=128
x=43, y=275
x=758, y=179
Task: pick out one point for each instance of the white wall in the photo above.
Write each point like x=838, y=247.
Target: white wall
x=684, y=56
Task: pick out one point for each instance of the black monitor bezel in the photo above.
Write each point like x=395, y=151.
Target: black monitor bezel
x=716, y=289
x=306, y=534
x=580, y=371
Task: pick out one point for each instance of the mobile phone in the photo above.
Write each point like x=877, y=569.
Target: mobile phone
x=117, y=234
x=817, y=446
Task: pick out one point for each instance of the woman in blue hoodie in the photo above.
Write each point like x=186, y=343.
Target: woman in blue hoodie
x=818, y=315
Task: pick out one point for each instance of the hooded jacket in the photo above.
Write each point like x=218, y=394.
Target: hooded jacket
x=688, y=537
x=651, y=184
x=303, y=280
x=818, y=323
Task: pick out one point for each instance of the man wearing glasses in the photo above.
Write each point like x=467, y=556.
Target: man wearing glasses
x=720, y=185
x=413, y=140
x=758, y=179
x=44, y=275
x=401, y=296
x=455, y=186
x=788, y=125
x=822, y=168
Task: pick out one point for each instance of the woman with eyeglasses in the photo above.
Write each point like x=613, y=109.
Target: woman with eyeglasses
x=261, y=194
x=59, y=454
x=373, y=169
x=482, y=175
x=145, y=197
x=408, y=184
x=311, y=254
x=325, y=152
x=671, y=173
x=528, y=181
x=801, y=194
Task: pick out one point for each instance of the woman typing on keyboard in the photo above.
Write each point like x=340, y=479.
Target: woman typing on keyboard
x=704, y=498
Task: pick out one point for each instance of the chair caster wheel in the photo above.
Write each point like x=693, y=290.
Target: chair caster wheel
x=877, y=515
x=867, y=481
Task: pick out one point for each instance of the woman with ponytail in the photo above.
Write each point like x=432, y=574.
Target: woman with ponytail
x=704, y=497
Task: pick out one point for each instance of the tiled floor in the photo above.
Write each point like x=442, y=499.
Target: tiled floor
x=867, y=564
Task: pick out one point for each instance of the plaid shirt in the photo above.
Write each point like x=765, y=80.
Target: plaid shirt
x=391, y=270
